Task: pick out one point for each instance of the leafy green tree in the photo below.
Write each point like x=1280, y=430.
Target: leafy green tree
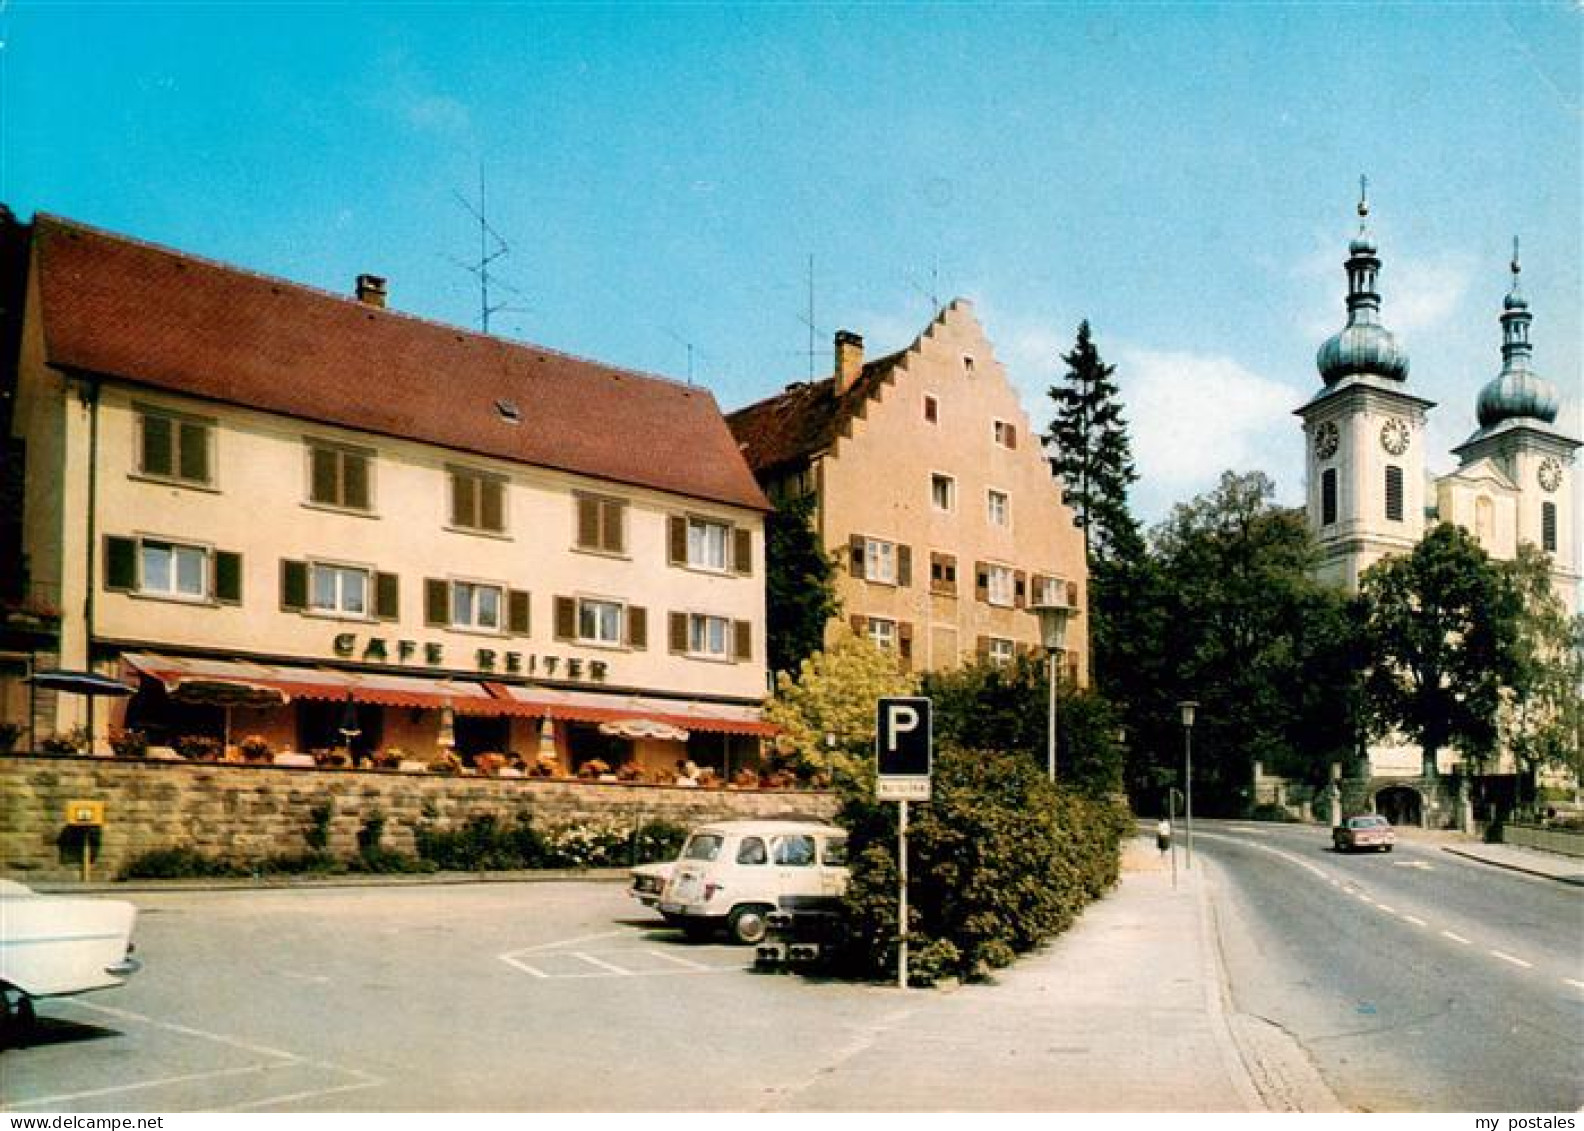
x=834, y=694
x=1542, y=714
x=1007, y=707
x=1237, y=623
x=1091, y=452
x=800, y=589
x=1441, y=628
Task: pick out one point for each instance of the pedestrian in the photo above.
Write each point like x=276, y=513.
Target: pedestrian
x=1163, y=836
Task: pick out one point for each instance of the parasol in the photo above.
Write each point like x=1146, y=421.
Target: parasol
x=226, y=694
x=89, y=684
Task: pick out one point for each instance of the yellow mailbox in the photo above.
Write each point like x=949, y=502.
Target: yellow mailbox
x=85, y=814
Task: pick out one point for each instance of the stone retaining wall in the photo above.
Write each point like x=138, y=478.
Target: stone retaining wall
x=1565, y=841
x=248, y=812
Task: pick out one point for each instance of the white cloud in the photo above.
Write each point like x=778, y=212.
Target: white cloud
x=1426, y=294
x=1193, y=416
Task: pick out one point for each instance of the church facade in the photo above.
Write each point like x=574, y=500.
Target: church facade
x=1369, y=493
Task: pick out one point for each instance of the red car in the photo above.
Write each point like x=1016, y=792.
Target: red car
x=1368, y=831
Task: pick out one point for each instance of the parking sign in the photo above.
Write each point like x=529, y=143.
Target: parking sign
x=904, y=746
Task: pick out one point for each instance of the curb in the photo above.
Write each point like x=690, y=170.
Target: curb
x=305, y=883
x=1576, y=880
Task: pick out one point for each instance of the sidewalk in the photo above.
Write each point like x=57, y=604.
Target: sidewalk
x=1533, y=861
x=1125, y=1012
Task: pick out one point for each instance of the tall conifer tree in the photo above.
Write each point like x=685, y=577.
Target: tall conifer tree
x=1091, y=453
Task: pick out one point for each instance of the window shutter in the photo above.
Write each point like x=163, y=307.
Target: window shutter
x=1019, y=589
x=742, y=544
x=981, y=583
x=437, y=601
x=637, y=628
x=679, y=632
x=1072, y=594
x=157, y=445
x=194, y=451
x=612, y=537
x=1394, y=494
x=294, y=585
x=860, y=624
x=565, y=618
x=743, y=631
x=905, y=644
x=355, y=481
x=857, y=544
x=228, y=577
x=1328, y=496
x=322, y=475
x=588, y=523
x=676, y=540
x=1011, y=436
x=904, y=562
x=982, y=647
x=387, y=596
x=121, y=563
x=463, y=503
x=517, y=609
x=492, y=504
x=1548, y=527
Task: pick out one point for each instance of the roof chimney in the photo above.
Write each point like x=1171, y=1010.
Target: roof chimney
x=371, y=290
x=849, y=359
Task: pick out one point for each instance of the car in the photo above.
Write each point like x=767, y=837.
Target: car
x=53, y=946
x=1370, y=830
x=734, y=874
x=647, y=881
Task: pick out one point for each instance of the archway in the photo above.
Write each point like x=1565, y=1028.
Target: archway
x=1401, y=805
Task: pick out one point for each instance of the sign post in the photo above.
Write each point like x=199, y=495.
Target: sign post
x=904, y=751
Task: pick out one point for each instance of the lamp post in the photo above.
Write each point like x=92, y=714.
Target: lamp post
x=1187, y=708
x=1053, y=620
x=830, y=760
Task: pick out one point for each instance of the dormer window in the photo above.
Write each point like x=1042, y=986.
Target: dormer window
x=508, y=410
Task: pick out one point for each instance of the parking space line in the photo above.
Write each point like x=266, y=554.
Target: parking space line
x=1385, y=908
x=1455, y=938
x=143, y=1084
x=1509, y=958
x=367, y=1081
x=688, y=962
x=1415, y=920
x=523, y=966
x=127, y=1015
x=601, y=963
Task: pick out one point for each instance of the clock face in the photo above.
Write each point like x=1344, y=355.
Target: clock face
x=1394, y=436
x=1326, y=440
x=1550, y=474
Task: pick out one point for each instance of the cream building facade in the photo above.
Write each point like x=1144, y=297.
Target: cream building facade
x=343, y=513
x=934, y=496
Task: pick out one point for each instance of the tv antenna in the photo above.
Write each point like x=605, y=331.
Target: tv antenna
x=932, y=292
x=492, y=246
x=808, y=320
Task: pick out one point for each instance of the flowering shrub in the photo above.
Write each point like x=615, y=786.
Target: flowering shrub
x=198, y=747
x=255, y=749
x=490, y=764
x=588, y=844
x=74, y=741
x=129, y=743
x=447, y=763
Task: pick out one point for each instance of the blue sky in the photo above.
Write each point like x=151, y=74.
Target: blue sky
x=1183, y=175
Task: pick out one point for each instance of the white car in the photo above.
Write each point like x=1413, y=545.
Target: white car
x=735, y=873
x=52, y=946
x=647, y=881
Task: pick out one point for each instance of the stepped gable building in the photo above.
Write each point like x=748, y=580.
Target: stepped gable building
x=1369, y=493
x=933, y=493
x=279, y=511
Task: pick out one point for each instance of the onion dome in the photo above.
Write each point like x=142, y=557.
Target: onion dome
x=1364, y=346
x=1517, y=392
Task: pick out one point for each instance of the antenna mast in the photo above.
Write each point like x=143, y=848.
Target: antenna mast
x=492, y=246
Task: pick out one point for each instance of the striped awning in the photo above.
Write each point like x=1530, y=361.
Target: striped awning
x=593, y=707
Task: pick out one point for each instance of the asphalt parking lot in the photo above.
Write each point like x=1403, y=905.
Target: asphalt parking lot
x=469, y=997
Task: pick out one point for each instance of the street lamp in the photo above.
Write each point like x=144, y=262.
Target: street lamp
x=1187, y=708
x=1053, y=620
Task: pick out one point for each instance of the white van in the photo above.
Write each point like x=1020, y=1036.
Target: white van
x=734, y=873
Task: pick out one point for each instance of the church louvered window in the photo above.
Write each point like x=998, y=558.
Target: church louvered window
x=1548, y=534
x=1328, y=496
x=1394, y=494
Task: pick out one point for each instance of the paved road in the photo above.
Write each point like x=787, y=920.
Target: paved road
x=1416, y=980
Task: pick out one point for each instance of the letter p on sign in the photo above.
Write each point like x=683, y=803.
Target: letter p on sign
x=904, y=745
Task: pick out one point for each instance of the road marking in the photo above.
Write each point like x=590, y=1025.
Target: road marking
x=680, y=961
x=1422, y=865
x=601, y=963
x=1388, y=910
x=1575, y=984
x=1415, y=920
x=142, y=1084
x=523, y=966
x=367, y=1082
x=1509, y=958
x=1455, y=938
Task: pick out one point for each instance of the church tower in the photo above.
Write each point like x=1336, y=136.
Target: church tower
x=1364, y=433
x=1519, y=442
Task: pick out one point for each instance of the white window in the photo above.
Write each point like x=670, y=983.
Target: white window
x=882, y=633
x=709, y=636
x=174, y=570
x=1049, y=591
x=475, y=606
x=338, y=589
x=880, y=561
x=943, y=492
x=708, y=545
x=1000, y=585
x=999, y=506
x=1001, y=651
x=599, y=621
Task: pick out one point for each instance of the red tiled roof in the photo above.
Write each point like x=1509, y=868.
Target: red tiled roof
x=126, y=309
x=806, y=419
